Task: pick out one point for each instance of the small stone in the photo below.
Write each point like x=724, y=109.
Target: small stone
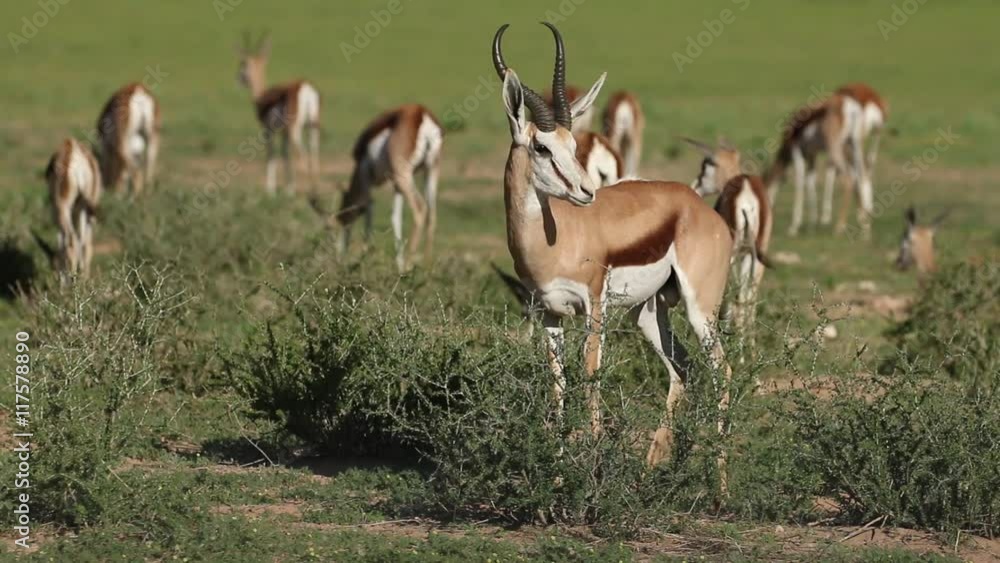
x=786, y=258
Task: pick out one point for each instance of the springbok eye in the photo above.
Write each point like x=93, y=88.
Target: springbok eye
x=542, y=149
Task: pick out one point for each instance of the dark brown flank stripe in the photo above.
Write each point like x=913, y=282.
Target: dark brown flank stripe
x=384, y=121
x=648, y=249
x=276, y=98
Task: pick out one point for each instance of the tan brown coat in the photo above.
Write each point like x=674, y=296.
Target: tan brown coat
x=74, y=181
x=128, y=132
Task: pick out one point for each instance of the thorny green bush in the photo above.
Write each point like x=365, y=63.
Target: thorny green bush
x=956, y=320
x=99, y=353
x=474, y=402
x=922, y=451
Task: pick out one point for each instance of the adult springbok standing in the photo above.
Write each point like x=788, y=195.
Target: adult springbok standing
x=128, y=132
x=838, y=126
x=286, y=111
x=640, y=245
x=393, y=147
x=623, y=126
x=74, y=180
x=744, y=205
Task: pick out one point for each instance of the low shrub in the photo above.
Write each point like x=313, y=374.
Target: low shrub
x=921, y=451
x=955, y=320
x=99, y=353
x=473, y=401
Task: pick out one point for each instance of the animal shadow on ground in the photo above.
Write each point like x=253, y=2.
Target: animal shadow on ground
x=242, y=452
x=17, y=269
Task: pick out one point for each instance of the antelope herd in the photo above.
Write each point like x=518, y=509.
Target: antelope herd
x=584, y=231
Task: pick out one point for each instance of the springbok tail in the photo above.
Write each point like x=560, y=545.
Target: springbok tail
x=514, y=285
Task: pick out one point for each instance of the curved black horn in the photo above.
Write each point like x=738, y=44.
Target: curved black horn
x=540, y=111
x=560, y=102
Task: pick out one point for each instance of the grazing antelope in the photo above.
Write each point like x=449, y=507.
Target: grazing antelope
x=838, y=126
x=285, y=111
x=586, y=119
x=639, y=245
x=393, y=147
x=602, y=162
x=128, y=132
x=917, y=246
x=744, y=205
x=74, y=180
x=624, y=123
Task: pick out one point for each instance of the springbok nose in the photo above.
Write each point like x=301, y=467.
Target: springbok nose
x=586, y=192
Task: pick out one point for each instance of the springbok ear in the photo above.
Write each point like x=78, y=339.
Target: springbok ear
x=264, y=47
x=911, y=216
x=583, y=103
x=940, y=219
x=703, y=147
x=513, y=102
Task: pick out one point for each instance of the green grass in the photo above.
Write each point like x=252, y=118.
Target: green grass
x=231, y=253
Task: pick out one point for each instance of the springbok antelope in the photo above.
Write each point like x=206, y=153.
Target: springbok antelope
x=393, y=147
x=639, y=245
x=604, y=167
x=602, y=162
x=623, y=125
x=74, y=180
x=917, y=246
x=744, y=205
x=585, y=121
x=839, y=126
x=285, y=110
x=128, y=132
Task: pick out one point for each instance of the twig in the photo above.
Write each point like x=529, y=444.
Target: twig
x=247, y=438
x=864, y=528
x=380, y=523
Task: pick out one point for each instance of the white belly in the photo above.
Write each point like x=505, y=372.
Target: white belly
x=631, y=285
x=564, y=297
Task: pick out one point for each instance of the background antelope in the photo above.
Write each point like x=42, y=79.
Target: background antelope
x=838, y=126
x=74, y=180
x=639, y=245
x=602, y=162
x=393, y=147
x=624, y=123
x=128, y=132
x=286, y=111
x=744, y=205
x=917, y=247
